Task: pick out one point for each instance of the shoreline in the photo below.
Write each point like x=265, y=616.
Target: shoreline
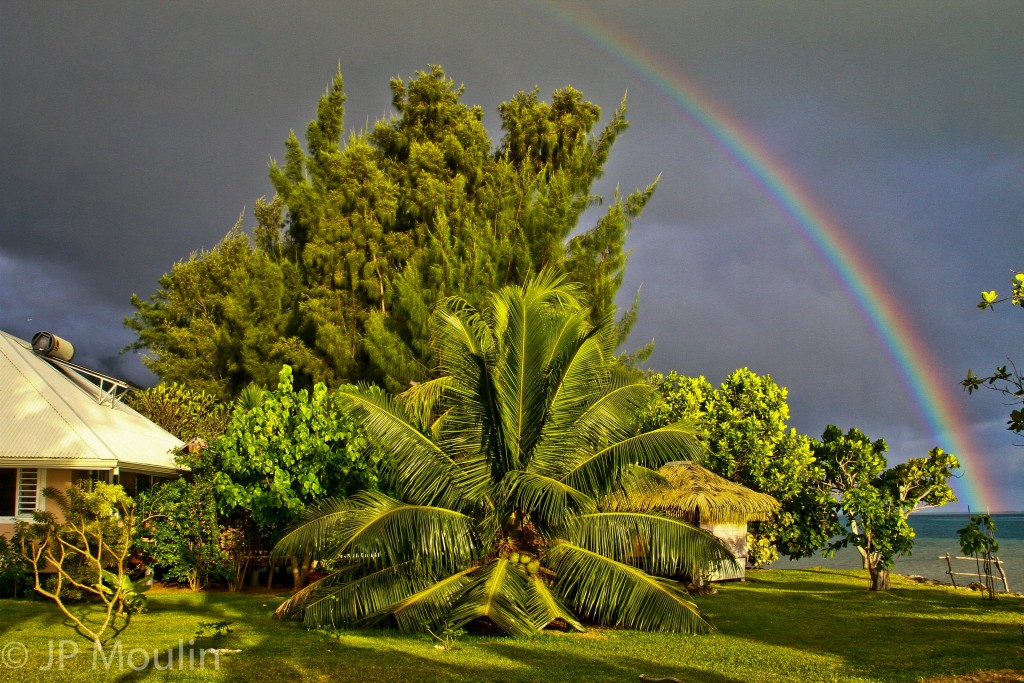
x=975, y=586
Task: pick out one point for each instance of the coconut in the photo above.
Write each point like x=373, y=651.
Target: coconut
x=514, y=557
x=524, y=558
x=533, y=567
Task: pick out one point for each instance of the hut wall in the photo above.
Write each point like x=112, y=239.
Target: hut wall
x=735, y=537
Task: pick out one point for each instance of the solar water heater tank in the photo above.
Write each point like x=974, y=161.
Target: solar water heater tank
x=49, y=344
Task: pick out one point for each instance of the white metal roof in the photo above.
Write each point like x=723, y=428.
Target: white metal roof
x=53, y=417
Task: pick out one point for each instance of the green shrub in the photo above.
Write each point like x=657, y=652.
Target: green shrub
x=179, y=533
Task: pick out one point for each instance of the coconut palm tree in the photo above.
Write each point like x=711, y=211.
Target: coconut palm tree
x=498, y=471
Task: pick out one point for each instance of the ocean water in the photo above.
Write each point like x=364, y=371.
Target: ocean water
x=936, y=536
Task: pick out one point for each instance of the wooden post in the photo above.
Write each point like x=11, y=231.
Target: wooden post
x=1002, y=575
x=949, y=570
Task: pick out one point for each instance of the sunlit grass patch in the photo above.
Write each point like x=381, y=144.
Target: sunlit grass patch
x=806, y=625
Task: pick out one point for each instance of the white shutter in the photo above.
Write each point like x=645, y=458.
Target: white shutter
x=28, y=491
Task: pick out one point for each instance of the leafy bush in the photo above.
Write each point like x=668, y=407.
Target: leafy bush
x=179, y=535
x=284, y=450
x=761, y=550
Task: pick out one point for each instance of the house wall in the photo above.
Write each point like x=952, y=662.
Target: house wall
x=60, y=480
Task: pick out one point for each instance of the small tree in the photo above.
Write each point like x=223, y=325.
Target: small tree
x=501, y=468
x=367, y=232
x=875, y=502
x=184, y=412
x=15, y=572
x=88, y=551
x=978, y=539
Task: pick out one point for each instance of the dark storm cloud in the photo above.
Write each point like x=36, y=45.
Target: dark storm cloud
x=135, y=133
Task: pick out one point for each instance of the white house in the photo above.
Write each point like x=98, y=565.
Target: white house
x=61, y=423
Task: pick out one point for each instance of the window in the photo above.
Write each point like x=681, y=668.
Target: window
x=28, y=491
x=135, y=483
x=8, y=491
x=19, y=491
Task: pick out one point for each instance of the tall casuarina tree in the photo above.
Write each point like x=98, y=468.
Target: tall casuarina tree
x=367, y=232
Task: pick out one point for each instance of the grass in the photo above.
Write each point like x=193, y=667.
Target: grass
x=795, y=625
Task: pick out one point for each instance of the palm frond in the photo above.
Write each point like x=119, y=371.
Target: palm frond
x=617, y=594
x=610, y=417
x=549, y=290
x=388, y=531
x=421, y=399
x=545, y=605
x=614, y=415
x=315, y=531
x=463, y=346
x=661, y=545
x=578, y=380
x=454, y=322
x=417, y=467
x=601, y=472
x=498, y=593
x=523, y=333
x=637, y=481
x=571, y=332
x=475, y=476
x=430, y=605
x=346, y=597
x=548, y=500
x=293, y=606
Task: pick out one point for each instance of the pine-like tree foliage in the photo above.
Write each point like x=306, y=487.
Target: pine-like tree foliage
x=509, y=455
x=368, y=232
x=215, y=323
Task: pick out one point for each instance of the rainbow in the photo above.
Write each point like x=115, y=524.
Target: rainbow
x=920, y=372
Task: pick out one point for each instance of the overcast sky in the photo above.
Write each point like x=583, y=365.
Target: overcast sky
x=134, y=133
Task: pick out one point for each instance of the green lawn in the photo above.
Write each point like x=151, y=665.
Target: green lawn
x=814, y=625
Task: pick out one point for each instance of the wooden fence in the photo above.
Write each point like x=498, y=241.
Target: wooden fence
x=979, y=565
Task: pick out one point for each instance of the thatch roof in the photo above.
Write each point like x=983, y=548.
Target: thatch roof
x=693, y=489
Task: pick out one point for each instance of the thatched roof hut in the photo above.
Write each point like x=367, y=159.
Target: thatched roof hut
x=718, y=505
x=702, y=496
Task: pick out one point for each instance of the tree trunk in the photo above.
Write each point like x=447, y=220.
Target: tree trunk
x=879, y=578
x=300, y=570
